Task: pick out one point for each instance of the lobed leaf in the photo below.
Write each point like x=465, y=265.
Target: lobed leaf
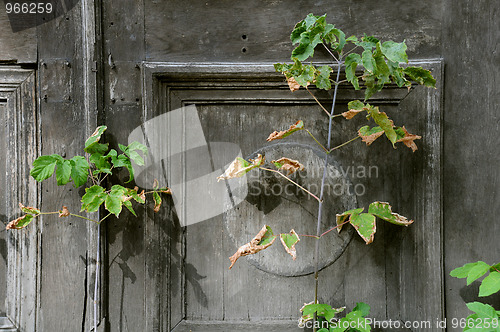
x=299, y=125
x=482, y=310
x=383, y=121
x=407, y=138
x=289, y=241
x=421, y=76
x=261, y=241
x=384, y=211
x=114, y=199
x=93, y=198
x=395, y=52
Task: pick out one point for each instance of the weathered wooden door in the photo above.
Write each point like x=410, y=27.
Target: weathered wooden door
x=196, y=84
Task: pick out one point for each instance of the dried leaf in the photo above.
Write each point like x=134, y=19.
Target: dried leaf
x=157, y=199
x=384, y=211
x=20, y=222
x=261, y=241
x=166, y=191
x=64, y=212
x=156, y=185
x=409, y=139
x=282, y=134
x=289, y=165
x=370, y=135
x=289, y=241
x=351, y=113
x=240, y=167
x=29, y=209
x=292, y=84
x=142, y=196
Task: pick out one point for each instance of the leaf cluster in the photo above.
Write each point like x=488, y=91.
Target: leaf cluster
x=354, y=321
x=380, y=62
x=489, y=285
x=365, y=223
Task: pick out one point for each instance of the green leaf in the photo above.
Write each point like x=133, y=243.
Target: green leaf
x=93, y=198
x=122, y=161
x=482, y=310
x=384, y=122
x=384, y=211
x=94, y=138
x=289, y=241
x=364, y=224
x=355, y=105
x=79, y=170
x=351, y=63
x=29, y=210
x=395, y=52
x=24, y=221
x=421, y=76
x=44, y=166
x=101, y=163
x=114, y=200
x=135, y=195
x=341, y=218
x=157, y=200
x=128, y=205
x=267, y=238
x=306, y=76
x=63, y=172
x=462, y=272
x=368, y=61
x=363, y=308
x=131, y=152
x=495, y=267
x=322, y=80
x=97, y=148
x=490, y=284
x=477, y=271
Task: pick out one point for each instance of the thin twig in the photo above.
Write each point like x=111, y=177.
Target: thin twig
x=320, y=207
x=322, y=107
x=314, y=138
x=78, y=216
x=324, y=233
x=351, y=50
x=295, y=183
x=96, y=285
x=330, y=52
x=345, y=143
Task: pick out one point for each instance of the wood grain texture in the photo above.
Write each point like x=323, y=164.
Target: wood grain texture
x=471, y=178
x=255, y=294
x=18, y=47
x=259, y=30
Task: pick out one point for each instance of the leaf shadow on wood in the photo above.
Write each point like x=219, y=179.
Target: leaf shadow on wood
x=470, y=294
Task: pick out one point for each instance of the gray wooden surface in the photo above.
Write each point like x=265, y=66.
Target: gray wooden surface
x=88, y=69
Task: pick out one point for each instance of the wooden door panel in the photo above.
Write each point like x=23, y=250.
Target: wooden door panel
x=187, y=280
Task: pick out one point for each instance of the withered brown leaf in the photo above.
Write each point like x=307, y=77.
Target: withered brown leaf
x=289, y=165
x=240, y=167
x=253, y=246
x=351, y=113
x=409, y=140
x=292, y=84
x=64, y=212
x=284, y=133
